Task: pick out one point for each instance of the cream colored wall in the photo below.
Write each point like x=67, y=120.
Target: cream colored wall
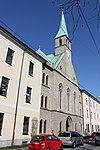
x=7, y=104
x=90, y=108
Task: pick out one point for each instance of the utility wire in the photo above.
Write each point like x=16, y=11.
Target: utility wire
x=89, y=30
x=35, y=49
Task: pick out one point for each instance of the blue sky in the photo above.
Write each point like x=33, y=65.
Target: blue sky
x=37, y=22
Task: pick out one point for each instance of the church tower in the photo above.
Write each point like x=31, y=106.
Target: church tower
x=62, y=41
x=63, y=45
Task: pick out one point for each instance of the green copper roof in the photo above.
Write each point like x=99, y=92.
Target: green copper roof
x=52, y=60
x=62, y=28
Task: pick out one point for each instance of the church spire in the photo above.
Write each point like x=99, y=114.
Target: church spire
x=62, y=28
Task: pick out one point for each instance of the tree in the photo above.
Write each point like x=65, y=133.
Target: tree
x=75, y=6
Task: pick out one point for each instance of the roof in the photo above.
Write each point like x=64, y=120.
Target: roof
x=89, y=94
x=20, y=43
x=62, y=28
x=52, y=60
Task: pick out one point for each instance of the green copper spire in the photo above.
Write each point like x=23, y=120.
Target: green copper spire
x=62, y=28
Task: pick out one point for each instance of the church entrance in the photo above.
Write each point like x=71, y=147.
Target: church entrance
x=69, y=124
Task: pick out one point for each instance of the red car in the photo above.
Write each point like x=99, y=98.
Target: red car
x=45, y=142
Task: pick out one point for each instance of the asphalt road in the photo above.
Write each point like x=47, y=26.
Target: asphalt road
x=90, y=146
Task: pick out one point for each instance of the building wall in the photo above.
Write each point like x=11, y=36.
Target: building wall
x=53, y=114
x=91, y=111
x=18, y=82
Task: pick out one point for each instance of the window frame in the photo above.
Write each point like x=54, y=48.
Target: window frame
x=4, y=86
x=9, y=56
x=30, y=94
x=1, y=123
x=27, y=126
x=31, y=69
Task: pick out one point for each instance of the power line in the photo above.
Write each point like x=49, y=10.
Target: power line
x=89, y=30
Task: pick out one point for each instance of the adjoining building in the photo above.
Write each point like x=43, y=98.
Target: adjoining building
x=91, y=111
x=20, y=90
x=61, y=99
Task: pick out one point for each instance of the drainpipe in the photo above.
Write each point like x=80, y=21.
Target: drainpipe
x=90, y=115
x=16, y=107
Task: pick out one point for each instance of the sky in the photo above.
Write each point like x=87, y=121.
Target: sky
x=36, y=23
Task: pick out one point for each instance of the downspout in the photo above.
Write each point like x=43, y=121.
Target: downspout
x=82, y=111
x=16, y=107
x=90, y=115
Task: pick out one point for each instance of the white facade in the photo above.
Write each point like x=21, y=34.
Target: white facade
x=91, y=111
x=15, y=85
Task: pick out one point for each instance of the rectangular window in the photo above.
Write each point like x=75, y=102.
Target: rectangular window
x=31, y=67
x=1, y=122
x=28, y=94
x=25, y=125
x=4, y=86
x=9, y=57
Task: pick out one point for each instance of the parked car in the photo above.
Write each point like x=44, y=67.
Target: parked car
x=71, y=138
x=97, y=138
x=45, y=142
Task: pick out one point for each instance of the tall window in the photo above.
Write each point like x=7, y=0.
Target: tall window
x=60, y=126
x=4, y=86
x=31, y=67
x=42, y=97
x=68, y=93
x=87, y=127
x=60, y=42
x=87, y=114
x=60, y=90
x=45, y=122
x=28, y=94
x=92, y=128
x=46, y=102
x=43, y=78
x=47, y=80
x=74, y=101
x=25, y=125
x=9, y=56
x=75, y=126
x=40, y=130
x=1, y=122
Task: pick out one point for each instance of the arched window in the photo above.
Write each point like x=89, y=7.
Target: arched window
x=60, y=42
x=43, y=78
x=40, y=130
x=68, y=94
x=60, y=127
x=74, y=101
x=45, y=122
x=75, y=126
x=42, y=97
x=60, y=90
x=46, y=102
x=47, y=80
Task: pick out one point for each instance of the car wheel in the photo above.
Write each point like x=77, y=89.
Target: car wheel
x=48, y=148
x=61, y=148
x=74, y=145
x=82, y=143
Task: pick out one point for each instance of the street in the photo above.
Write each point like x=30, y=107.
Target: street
x=90, y=146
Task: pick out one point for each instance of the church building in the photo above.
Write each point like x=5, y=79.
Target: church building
x=61, y=99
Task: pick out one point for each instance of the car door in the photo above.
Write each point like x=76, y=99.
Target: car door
x=78, y=137
x=50, y=142
x=57, y=143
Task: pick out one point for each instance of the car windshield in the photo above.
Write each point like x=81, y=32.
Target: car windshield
x=38, y=138
x=64, y=135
